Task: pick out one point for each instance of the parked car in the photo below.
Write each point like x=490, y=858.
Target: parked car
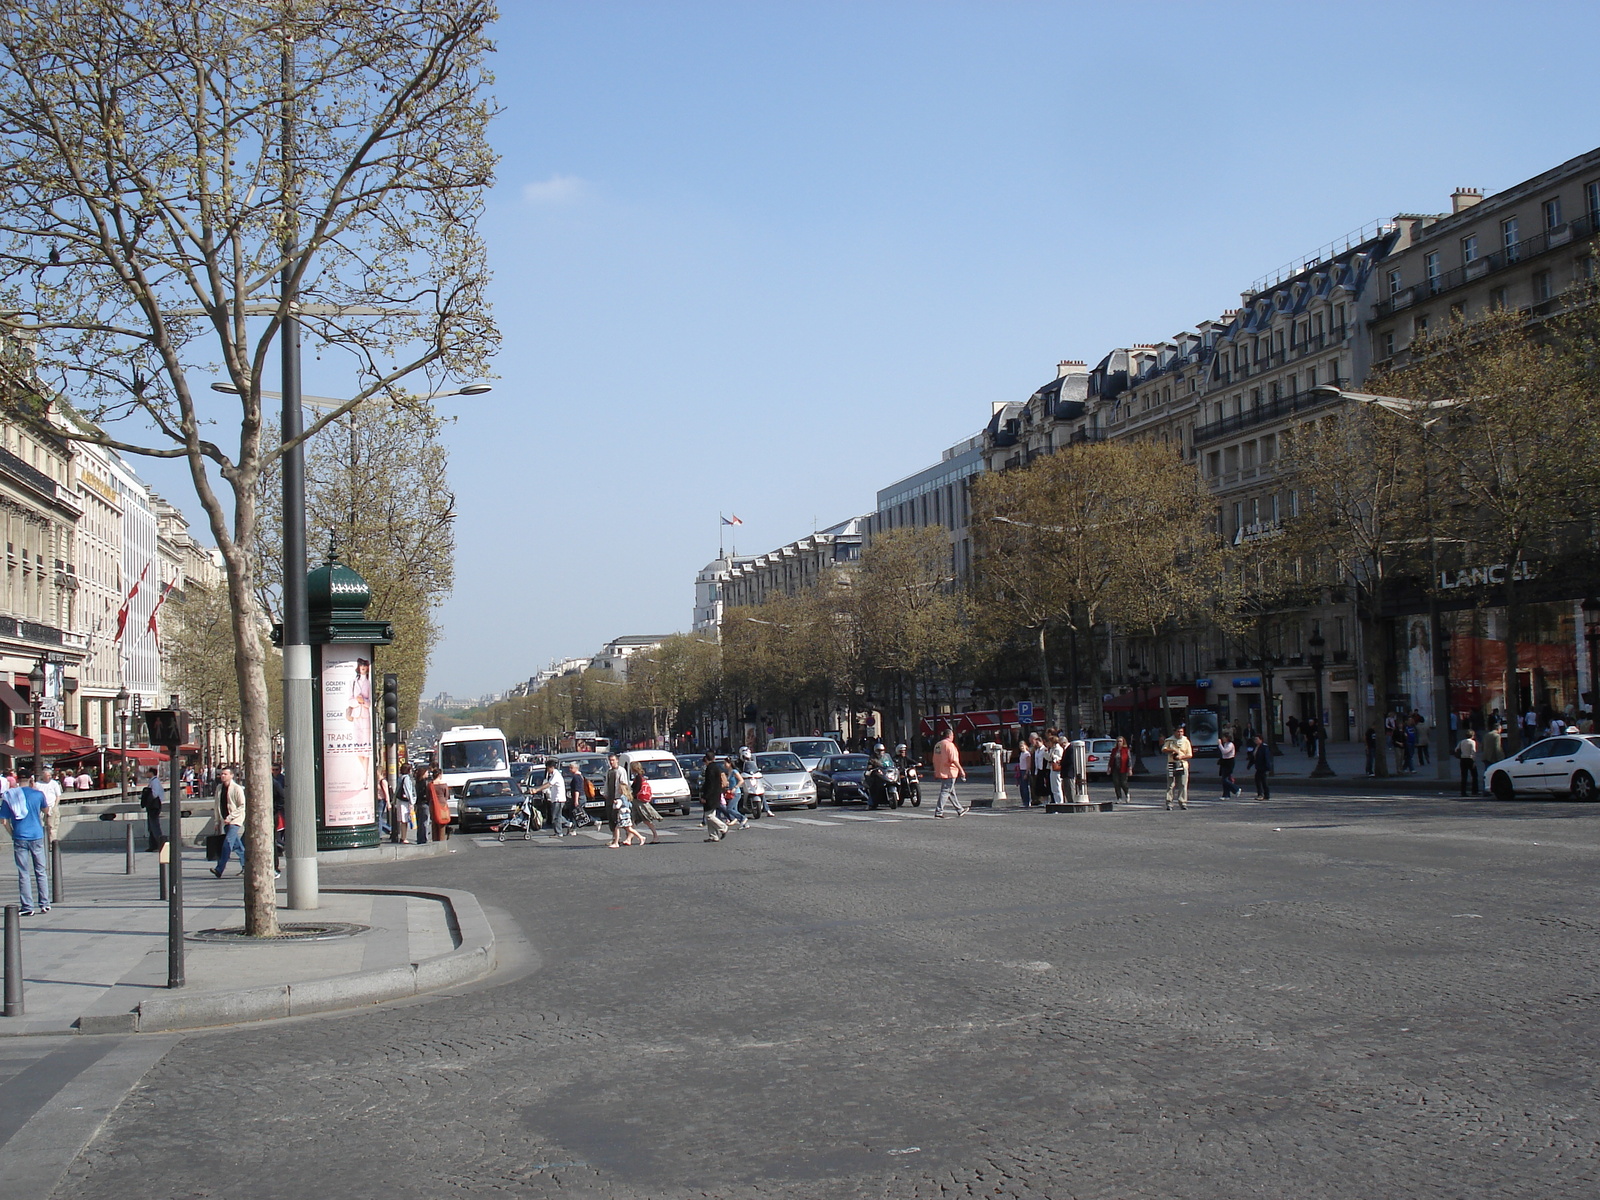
x=1099, y=757
x=668, y=787
x=789, y=784
x=486, y=802
x=841, y=778
x=1567, y=765
x=809, y=750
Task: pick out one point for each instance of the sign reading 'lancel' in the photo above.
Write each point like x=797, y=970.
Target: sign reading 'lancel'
x=1484, y=576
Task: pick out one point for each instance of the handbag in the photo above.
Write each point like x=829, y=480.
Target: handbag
x=213, y=847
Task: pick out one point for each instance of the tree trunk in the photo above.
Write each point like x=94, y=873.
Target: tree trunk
x=1044, y=677
x=1380, y=672
x=1513, y=712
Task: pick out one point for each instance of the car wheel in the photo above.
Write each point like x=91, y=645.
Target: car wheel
x=1500, y=785
x=1583, y=786
x=813, y=804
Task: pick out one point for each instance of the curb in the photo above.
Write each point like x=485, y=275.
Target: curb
x=382, y=852
x=472, y=960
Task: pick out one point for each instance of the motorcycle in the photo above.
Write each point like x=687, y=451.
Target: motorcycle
x=910, y=789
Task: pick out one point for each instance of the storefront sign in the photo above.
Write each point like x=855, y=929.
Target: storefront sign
x=1483, y=576
x=1249, y=681
x=1202, y=683
x=347, y=780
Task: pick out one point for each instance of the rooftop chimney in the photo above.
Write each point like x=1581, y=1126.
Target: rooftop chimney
x=1464, y=198
x=1067, y=365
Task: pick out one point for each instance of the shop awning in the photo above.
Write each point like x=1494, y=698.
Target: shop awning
x=1180, y=695
x=145, y=758
x=12, y=699
x=53, y=743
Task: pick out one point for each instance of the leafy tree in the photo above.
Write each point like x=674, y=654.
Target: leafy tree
x=180, y=171
x=1515, y=442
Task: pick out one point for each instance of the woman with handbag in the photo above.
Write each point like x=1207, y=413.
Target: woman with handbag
x=644, y=813
x=1120, y=768
x=439, y=805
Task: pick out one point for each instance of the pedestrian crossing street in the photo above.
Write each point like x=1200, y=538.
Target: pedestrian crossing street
x=830, y=818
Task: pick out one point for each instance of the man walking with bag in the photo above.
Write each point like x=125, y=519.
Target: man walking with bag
x=1179, y=750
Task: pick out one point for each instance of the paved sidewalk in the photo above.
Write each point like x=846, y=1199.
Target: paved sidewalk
x=97, y=962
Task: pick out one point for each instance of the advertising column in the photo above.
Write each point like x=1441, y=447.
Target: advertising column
x=348, y=794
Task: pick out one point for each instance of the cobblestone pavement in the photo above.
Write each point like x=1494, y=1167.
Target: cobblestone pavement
x=1322, y=996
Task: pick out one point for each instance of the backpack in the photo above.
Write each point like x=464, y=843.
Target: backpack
x=644, y=790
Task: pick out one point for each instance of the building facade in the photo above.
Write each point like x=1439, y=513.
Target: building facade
x=791, y=569
x=937, y=496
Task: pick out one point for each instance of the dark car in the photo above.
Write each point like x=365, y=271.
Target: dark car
x=694, y=771
x=487, y=802
x=593, y=768
x=840, y=778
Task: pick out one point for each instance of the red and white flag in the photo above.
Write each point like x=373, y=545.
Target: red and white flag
x=122, y=613
x=732, y=520
x=160, y=600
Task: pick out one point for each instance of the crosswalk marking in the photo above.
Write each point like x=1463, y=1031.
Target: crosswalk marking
x=806, y=821
x=862, y=817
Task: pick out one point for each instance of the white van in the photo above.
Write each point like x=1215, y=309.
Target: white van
x=809, y=750
x=668, y=787
x=471, y=752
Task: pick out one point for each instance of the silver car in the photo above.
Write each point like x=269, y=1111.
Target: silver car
x=789, y=784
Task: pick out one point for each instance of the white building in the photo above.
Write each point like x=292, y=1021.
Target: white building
x=708, y=592
x=614, y=655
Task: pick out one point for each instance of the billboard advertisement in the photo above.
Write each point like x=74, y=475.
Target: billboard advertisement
x=347, y=781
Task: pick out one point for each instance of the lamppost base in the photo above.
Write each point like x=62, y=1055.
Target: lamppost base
x=1323, y=771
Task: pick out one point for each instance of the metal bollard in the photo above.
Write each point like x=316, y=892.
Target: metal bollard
x=163, y=883
x=57, y=892
x=13, y=961
x=132, y=860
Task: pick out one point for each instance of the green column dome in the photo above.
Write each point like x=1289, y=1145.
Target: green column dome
x=334, y=590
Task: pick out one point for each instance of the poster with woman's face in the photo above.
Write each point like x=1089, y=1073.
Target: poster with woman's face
x=347, y=791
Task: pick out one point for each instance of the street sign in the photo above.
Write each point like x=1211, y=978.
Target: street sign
x=1025, y=712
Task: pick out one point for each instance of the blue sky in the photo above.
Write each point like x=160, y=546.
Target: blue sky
x=766, y=258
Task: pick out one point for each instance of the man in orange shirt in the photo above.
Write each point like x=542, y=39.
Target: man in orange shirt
x=947, y=769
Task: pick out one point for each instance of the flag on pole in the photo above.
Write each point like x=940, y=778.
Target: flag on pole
x=733, y=520
x=122, y=613
x=160, y=600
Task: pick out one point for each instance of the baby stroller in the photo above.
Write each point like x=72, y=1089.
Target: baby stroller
x=525, y=817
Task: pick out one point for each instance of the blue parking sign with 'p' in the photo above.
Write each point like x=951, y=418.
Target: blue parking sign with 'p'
x=1025, y=712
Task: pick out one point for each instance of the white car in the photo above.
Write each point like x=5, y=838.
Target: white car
x=1098, y=753
x=789, y=784
x=809, y=750
x=1566, y=765
x=668, y=788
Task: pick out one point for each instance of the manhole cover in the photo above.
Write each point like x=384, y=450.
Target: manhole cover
x=307, y=931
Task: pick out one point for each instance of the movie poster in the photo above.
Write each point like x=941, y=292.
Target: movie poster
x=347, y=781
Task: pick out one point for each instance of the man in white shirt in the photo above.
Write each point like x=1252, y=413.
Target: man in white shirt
x=51, y=787
x=1467, y=753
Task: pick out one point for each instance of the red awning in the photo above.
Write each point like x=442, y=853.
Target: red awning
x=53, y=743
x=1184, y=695
x=145, y=758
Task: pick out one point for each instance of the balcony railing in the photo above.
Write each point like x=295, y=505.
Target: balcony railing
x=1272, y=410
x=1520, y=252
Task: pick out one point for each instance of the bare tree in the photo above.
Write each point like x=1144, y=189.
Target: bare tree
x=180, y=172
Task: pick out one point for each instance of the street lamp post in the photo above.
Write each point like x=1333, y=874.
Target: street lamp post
x=36, y=698
x=299, y=752
x=1269, y=698
x=122, y=741
x=1316, y=643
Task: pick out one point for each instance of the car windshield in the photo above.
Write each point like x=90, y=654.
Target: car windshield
x=779, y=764
x=814, y=749
x=592, y=765
x=490, y=787
x=537, y=775
x=690, y=762
x=482, y=754
x=850, y=762
x=660, y=768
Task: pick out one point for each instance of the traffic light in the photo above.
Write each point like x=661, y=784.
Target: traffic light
x=168, y=727
x=391, y=710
